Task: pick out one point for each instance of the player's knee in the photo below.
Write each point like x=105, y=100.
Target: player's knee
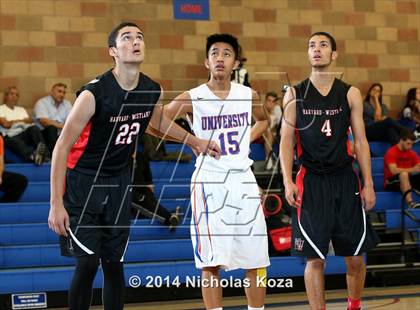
x=355, y=264
x=87, y=264
x=212, y=270
x=112, y=267
x=315, y=263
x=253, y=273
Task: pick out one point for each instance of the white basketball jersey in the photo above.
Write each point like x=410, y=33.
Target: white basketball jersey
x=227, y=122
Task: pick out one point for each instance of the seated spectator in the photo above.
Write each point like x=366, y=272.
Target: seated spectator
x=410, y=113
x=12, y=185
x=144, y=199
x=402, y=167
x=271, y=135
x=240, y=74
x=19, y=130
x=379, y=127
x=51, y=112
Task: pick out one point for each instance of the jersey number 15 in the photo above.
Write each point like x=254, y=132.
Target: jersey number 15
x=231, y=145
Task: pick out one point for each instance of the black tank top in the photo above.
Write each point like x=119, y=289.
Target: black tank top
x=322, y=127
x=107, y=143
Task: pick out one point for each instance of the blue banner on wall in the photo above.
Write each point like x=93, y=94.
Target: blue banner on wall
x=192, y=9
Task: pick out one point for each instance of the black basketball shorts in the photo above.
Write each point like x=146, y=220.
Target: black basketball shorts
x=330, y=209
x=99, y=215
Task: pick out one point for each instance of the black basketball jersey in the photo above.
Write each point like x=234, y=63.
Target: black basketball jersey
x=107, y=142
x=322, y=127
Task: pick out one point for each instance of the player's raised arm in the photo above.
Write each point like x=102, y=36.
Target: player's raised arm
x=260, y=116
x=81, y=113
x=287, y=142
x=361, y=146
x=162, y=125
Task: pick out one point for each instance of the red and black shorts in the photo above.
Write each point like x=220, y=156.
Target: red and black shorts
x=99, y=213
x=330, y=209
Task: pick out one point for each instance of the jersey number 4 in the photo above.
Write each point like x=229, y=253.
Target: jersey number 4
x=326, y=128
x=126, y=133
x=232, y=143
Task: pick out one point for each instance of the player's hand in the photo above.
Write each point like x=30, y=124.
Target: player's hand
x=291, y=192
x=58, y=220
x=208, y=147
x=368, y=197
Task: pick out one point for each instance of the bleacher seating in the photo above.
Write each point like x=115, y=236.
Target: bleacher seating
x=29, y=254
x=393, y=219
x=378, y=149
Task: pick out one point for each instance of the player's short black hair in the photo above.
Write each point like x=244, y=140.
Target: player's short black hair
x=114, y=33
x=330, y=38
x=225, y=38
x=406, y=134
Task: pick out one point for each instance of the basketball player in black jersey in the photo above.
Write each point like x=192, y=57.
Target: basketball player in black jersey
x=330, y=202
x=90, y=173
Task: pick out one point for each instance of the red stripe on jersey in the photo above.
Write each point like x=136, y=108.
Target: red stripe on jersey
x=299, y=145
x=79, y=147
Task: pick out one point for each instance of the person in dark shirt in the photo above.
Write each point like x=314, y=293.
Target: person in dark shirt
x=410, y=113
x=144, y=199
x=329, y=201
x=12, y=185
x=91, y=173
x=379, y=126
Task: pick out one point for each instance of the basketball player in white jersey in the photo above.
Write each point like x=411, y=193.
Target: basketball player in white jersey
x=227, y=223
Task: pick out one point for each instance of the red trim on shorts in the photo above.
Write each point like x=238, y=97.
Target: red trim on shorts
x=197, y=228
x=349, y=152
x=300, y=185
x=79, y=147
x=298, y=144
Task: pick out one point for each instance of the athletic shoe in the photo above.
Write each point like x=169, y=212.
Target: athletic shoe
x=175, y=219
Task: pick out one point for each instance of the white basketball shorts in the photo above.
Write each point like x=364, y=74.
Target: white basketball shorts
x=227, y=222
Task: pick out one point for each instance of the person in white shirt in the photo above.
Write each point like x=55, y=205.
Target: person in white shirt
x=228, y=229
x=51, y=112
x=19, y=130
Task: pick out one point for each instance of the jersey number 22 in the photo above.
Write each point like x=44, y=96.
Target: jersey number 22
x=126, y=133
